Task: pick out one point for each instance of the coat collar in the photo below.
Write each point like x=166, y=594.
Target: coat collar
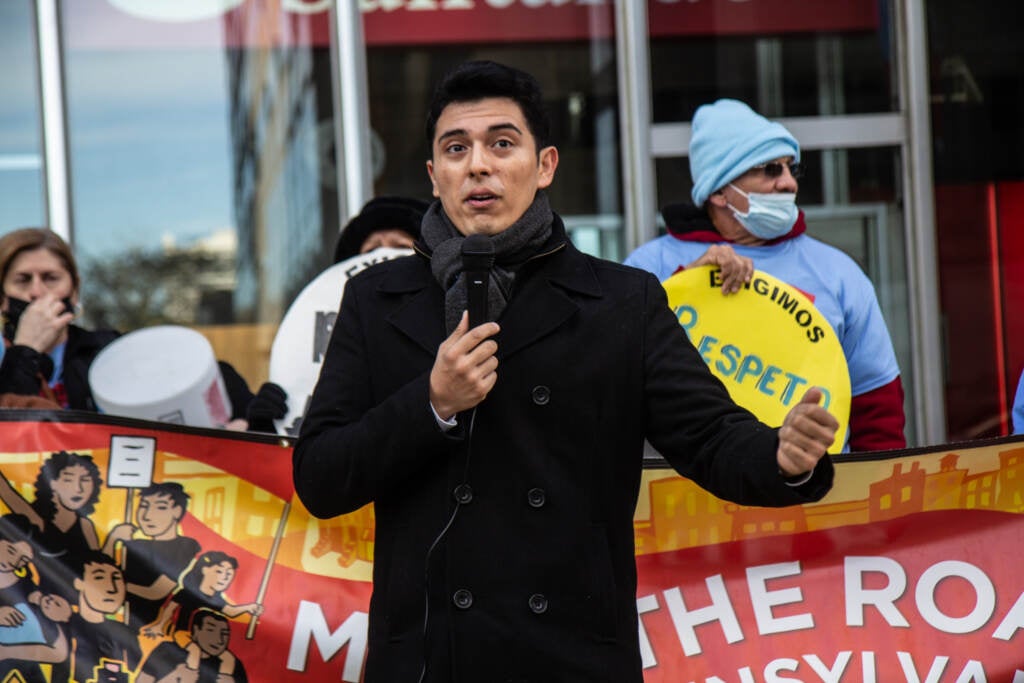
x=545, y=296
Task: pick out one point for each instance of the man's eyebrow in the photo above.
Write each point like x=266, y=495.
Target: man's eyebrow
x=456, y=132
x=504, y=126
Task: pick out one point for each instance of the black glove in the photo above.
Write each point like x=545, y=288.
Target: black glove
x=269, y=404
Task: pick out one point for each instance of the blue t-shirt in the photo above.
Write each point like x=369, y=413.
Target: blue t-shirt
x=1018, y=407
x=839, y=288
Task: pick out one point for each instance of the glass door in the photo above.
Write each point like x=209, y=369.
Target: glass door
x=828, y=72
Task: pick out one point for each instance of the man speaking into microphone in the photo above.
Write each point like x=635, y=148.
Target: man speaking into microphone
x=504, y=458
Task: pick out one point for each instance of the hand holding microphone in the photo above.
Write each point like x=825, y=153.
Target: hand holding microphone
x=464, y=369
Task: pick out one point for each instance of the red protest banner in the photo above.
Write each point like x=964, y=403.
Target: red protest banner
x=902, y=573
x=905, y=572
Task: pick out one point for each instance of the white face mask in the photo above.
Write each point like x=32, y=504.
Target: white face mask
x=769, y=215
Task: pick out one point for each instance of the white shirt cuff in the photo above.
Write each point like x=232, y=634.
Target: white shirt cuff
x=800, y=482
x=444, y=425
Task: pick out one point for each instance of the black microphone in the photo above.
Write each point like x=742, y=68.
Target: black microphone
x=477, y=259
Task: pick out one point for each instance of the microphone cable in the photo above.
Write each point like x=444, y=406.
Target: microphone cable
x=437, y=540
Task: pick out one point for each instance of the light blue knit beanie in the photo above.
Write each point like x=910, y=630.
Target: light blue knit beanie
x=728, y=139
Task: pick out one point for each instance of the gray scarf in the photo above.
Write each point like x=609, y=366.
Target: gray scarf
x=512, y=248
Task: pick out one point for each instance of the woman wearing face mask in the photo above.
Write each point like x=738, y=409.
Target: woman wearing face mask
x=44, y=353
x=744, y=216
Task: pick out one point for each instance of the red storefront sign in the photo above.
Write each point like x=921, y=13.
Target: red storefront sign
x=126, y=24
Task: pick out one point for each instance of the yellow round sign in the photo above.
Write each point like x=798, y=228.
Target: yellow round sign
x=768, y=343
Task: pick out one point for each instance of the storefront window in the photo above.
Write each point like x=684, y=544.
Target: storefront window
x=201, y=154
x=22, y=199
x=977, y=104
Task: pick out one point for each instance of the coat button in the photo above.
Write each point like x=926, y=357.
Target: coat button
x=462, y=598
x=463, y=493
x=541, y=395
x=538, y=603
x=536, y=498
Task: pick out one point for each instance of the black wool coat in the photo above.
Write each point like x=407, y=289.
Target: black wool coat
x=22, y=367
x=516, y=526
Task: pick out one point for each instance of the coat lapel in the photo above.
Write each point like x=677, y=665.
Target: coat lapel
x=421, y=315
x=546, y=300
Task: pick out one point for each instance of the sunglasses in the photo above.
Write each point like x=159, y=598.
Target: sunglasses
x=773, y=169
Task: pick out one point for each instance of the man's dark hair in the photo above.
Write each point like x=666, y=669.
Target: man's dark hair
x=171, y=489
x=202, y=615
x=16, y=528
x=96, y=557
x=474, y=81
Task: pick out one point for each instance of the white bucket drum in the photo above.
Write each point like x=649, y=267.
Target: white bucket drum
x=166, y=373
x=301, y=340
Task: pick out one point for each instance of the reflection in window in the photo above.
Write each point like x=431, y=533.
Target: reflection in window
x=201, y=154
x=977, y=104
x=21, y=150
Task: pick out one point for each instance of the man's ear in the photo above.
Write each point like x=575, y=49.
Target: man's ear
x=547, y=162
x=718, y=199
x=433, y=183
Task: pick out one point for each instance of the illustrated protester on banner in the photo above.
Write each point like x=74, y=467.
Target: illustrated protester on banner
x=1018, y=407
x=202, y=586
x=205, y=658
x=744, y=216
x=45, y=354
x=32, y=624
x=50, y=560
x=95, y=631
x=153, y=564
x=504, y=460
x=66, y=492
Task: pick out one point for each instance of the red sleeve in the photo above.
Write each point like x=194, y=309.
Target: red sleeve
x=877, y=420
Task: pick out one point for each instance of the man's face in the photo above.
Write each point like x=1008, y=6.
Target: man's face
x=759, y=179
x=158, y=515
x=212, y=637
x=484, y=167
x=101, y=587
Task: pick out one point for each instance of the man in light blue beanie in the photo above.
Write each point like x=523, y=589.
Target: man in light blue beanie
x=729, y=138
x=744, y=216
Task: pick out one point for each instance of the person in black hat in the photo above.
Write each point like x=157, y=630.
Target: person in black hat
x=383, y=222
